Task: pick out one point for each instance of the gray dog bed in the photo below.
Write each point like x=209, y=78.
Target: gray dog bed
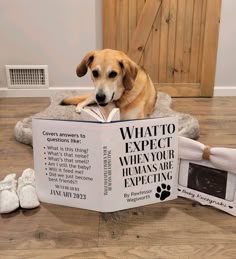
x=188, y=125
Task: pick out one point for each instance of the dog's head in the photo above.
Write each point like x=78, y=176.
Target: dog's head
x=112, y=73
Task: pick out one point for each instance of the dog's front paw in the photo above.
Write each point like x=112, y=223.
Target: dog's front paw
x=79, y=108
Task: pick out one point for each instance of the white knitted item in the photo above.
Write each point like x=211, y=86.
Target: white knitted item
x=26, y=190
x=9, y=200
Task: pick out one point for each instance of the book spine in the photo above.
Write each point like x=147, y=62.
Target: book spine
x=107, y=150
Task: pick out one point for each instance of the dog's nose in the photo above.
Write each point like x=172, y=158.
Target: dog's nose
x=100, y=97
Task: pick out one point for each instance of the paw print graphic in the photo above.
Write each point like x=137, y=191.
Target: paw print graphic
x=163, y=192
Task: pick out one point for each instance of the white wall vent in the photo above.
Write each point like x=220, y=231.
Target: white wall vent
x=27, y=76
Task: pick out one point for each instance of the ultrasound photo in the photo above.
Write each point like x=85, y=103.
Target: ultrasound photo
x=207, y=180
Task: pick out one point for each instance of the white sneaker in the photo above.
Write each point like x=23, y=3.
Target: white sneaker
x=26, y=190
x=9, y=200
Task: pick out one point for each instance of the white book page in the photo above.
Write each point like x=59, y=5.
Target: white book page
x=67, y=163
x=140, y=163
x=114, y=115
x=92, y=114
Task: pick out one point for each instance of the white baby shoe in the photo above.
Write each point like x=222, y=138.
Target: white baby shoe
x=26, y=190
x=9, y=200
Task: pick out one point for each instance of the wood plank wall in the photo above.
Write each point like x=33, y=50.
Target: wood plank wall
x=174, y=48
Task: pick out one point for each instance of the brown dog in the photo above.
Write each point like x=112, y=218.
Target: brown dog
x=119, y=82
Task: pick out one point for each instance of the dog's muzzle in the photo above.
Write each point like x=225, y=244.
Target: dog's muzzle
x=101, y=98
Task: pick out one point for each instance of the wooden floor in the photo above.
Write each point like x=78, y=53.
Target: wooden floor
x=175, y=229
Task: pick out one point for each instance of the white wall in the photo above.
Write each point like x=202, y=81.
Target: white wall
x=225, y=81
x=56, y=33
x=59, y=32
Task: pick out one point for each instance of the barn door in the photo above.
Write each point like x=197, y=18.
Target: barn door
x=174, y=40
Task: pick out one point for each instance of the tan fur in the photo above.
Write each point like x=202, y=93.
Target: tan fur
x=76, y=99
x=131, y=89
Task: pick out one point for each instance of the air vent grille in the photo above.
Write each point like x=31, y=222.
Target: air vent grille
x=27, y=76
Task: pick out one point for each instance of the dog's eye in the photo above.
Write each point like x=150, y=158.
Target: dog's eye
x=95, y=73
x=112, y=74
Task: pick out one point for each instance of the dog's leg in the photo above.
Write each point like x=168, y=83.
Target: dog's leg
x=74, y=100
x=89, y=100
x=80, y=101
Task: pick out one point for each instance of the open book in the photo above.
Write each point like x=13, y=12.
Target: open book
x=112, y=166
x=106, y=166
x=95, y=113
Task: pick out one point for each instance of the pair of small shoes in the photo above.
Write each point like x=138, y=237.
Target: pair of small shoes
x=24, y=195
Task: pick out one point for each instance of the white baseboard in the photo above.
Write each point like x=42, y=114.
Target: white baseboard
x=225, y=91
x=5, y=92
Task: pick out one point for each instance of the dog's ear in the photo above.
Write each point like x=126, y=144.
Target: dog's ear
x=82, y=68
x=130, y=70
